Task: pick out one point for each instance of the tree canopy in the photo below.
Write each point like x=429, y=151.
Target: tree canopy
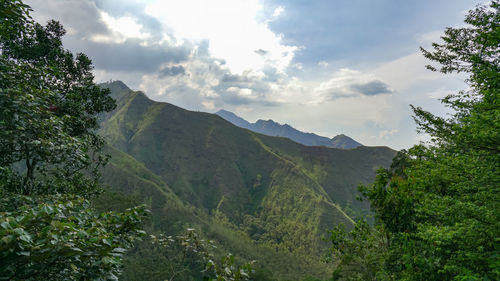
x=50, y=158
x=439, y=205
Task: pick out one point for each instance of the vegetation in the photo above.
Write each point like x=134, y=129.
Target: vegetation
x=132, y=184
x=260, y=198
x=437, y=209
x=50, y=158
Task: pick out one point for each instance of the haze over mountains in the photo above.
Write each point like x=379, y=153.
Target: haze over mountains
x=264, y=198
x=272, y=128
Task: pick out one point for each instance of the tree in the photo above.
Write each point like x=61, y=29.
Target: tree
x=188, y=251
x=439, y=205
x=62, y=238
x=50, y=159
x=49, y=108
x=358, y=254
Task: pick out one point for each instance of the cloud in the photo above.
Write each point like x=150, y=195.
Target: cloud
x=121, y=28
x=323, y=63
x=114, y=41
x=202, y=83
x=347, y=83
x=172, y=71
x=132, y=56
x=83, y=23
x=278, y=11
x=231, y=27
x=133, y=9
x=385, y=134
x=372, y=88
x=268, y=60
x=261, y=52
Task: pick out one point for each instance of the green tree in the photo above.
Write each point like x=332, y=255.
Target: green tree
x=49, y=108
x=62, y=238
x=50, y=159
x=439, y=204
x=358, y=254
x=189, y=252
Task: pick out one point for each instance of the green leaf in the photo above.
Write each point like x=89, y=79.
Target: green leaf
x=5, y=225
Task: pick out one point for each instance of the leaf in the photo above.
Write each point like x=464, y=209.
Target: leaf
x=5, y=225
x=74, y=267
x=47, y=209
x=119, y=250
x=26, y=238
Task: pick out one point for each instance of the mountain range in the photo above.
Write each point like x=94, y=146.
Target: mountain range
x=272, y=128
x=261, y=197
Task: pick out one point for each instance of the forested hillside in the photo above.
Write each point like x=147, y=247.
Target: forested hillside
x=99, y=182
x=274, y=192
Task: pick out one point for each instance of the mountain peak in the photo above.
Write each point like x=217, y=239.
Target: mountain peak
x=233, y=118
x=117, y=88
x=223, y=111
x=272, y=128
x=115, y=85
x=345, y=142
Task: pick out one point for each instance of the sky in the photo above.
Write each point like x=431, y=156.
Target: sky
x=325, y=66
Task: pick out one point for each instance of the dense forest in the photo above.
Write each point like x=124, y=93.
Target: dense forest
x=89, y=189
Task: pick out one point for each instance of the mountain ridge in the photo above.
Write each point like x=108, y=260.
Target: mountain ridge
x=272, y=128
x=208, y=173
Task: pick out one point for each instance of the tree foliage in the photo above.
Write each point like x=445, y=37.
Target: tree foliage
x=358, y=253
x=48, y=108
x=439, y=204
x=50, y=159
x=189, y=251
x=62, y=238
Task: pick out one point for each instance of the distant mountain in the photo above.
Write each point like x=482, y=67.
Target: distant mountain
x=261, y=197
x=275, y=129
x=235, y=119
x=343, y=141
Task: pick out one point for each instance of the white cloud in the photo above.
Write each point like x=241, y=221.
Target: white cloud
x=323, y=63
x=278, y=11
x=346, y=83
x=231, y=28
x=385, y=134
x=121, y=28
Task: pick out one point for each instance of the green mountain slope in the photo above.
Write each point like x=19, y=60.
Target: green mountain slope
x=131, y=183
x=279, y=194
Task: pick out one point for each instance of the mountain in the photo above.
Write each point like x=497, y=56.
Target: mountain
x=261, y=197
x=272, y=128
x=343, y=141
x=235, y=119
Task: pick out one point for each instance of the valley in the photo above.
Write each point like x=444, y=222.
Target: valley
x=263, y=198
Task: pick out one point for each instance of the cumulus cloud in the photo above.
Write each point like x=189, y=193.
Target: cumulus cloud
x=248, y=56
x=121, y=28
x=132, y=56
x=231, y=27
x=350, y=83
x=204, y=83
x=133, y=9
x=228, y=58
x=172, y=71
